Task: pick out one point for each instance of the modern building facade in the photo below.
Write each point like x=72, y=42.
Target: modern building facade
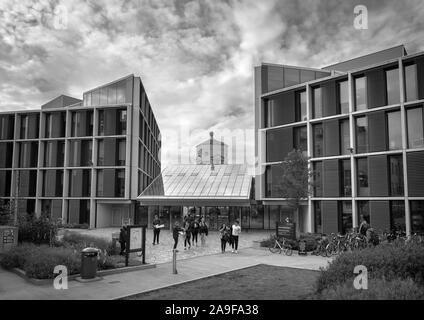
x=360, y=123
x=212, y=151
x=83, y=161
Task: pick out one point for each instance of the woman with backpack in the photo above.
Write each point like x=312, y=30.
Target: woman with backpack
x=203, y=230
x=225, y=236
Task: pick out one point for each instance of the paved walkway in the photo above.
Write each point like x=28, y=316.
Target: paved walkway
x=120, y=285
x=163, y=252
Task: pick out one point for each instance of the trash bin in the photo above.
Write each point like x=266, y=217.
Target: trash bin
x=89, y=263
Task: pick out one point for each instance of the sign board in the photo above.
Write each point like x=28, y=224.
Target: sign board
x=136, y=241
x=286, y=230
x=8, y=238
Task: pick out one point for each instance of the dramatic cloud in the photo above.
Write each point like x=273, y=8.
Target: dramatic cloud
x=195, y=58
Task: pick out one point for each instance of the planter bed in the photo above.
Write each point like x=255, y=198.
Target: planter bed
x=43, y=282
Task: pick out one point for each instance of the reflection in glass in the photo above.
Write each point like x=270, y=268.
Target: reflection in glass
x=361, y=135
x=317, y=174
x=417, y=216
x=346, y=179
x=397, y=216
x=396, y=175
x=317, y=98
x=318, y=140
x=344, y=97
x=394, y=130
x=345, y=137
x=415, y=128
x=361, y=93
x=362, y=176
x=317, y=217
x=411, y=83
x=393, y=89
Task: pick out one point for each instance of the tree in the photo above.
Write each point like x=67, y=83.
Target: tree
x=6, y=213
x=296, y=179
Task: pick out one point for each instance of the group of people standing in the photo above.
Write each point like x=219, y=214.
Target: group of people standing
x=191, y=230
x=230, y=235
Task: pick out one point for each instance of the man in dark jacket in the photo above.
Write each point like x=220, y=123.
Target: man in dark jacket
x=156, y=229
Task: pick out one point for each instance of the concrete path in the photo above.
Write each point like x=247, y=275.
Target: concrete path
x=120, y=285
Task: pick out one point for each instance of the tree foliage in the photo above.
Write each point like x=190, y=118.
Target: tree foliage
x=295, y=179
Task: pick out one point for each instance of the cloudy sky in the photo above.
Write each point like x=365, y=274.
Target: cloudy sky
x=195, y=58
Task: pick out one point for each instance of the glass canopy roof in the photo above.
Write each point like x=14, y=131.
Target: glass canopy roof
x=197, y=182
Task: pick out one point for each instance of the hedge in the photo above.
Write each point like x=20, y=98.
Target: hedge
x=378, y=289
x=386, y=261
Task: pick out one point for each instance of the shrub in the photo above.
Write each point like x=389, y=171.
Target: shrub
x=38, y=230
x=41, y=264
x=310, y=240
x=378, y=289
x=383, y=261
x=15, y=258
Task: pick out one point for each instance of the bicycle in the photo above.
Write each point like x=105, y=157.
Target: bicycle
x=282, y=247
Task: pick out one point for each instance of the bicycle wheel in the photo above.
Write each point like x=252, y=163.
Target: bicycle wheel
x=275, y=249
x=288, y=251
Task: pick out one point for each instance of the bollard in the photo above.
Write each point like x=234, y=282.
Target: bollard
x=174, y=261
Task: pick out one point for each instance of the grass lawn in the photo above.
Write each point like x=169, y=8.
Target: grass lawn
x=262, y=282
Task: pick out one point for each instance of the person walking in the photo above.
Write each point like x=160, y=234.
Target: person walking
x=156, y=229
x=203, y=230
x=123, y=239
x=235, y=232
x=195, y=231
x=187, y=232
x=225, y=236
x=176, y=231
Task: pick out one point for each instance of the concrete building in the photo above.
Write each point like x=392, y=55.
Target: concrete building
x=212, y=151
x=360, y=122
x=84, y=161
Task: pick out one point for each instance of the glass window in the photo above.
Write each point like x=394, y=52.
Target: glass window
x=396, y=175
x=317, y=174
x=300, y=135
x=343, y=89
x=121, y=152
x=24, y=121
x=317, y=98
x=411, y=83
x=345, y=137
x=120, y=92
x=317, y=217
x=393, y=88
x=346, y=179
x=301, y=106
x=111, y=94
x=346, y=216
x=291, y=77
x=101, y=122
x=120, y=183
x=417, y=216
x=361, y=93
x=122, y=122
x=397, y=216
x=394, y=130
x=362, y=176
x=101, y=153
x=103, y=96
x=361, y=135
x=318, y=140
x=363, y=211
x=415, y=128
x=306, y=75
x=273, y=181
x=95, y=98
x=100, y=180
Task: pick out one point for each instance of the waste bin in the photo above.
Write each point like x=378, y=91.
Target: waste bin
x=89, y=263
